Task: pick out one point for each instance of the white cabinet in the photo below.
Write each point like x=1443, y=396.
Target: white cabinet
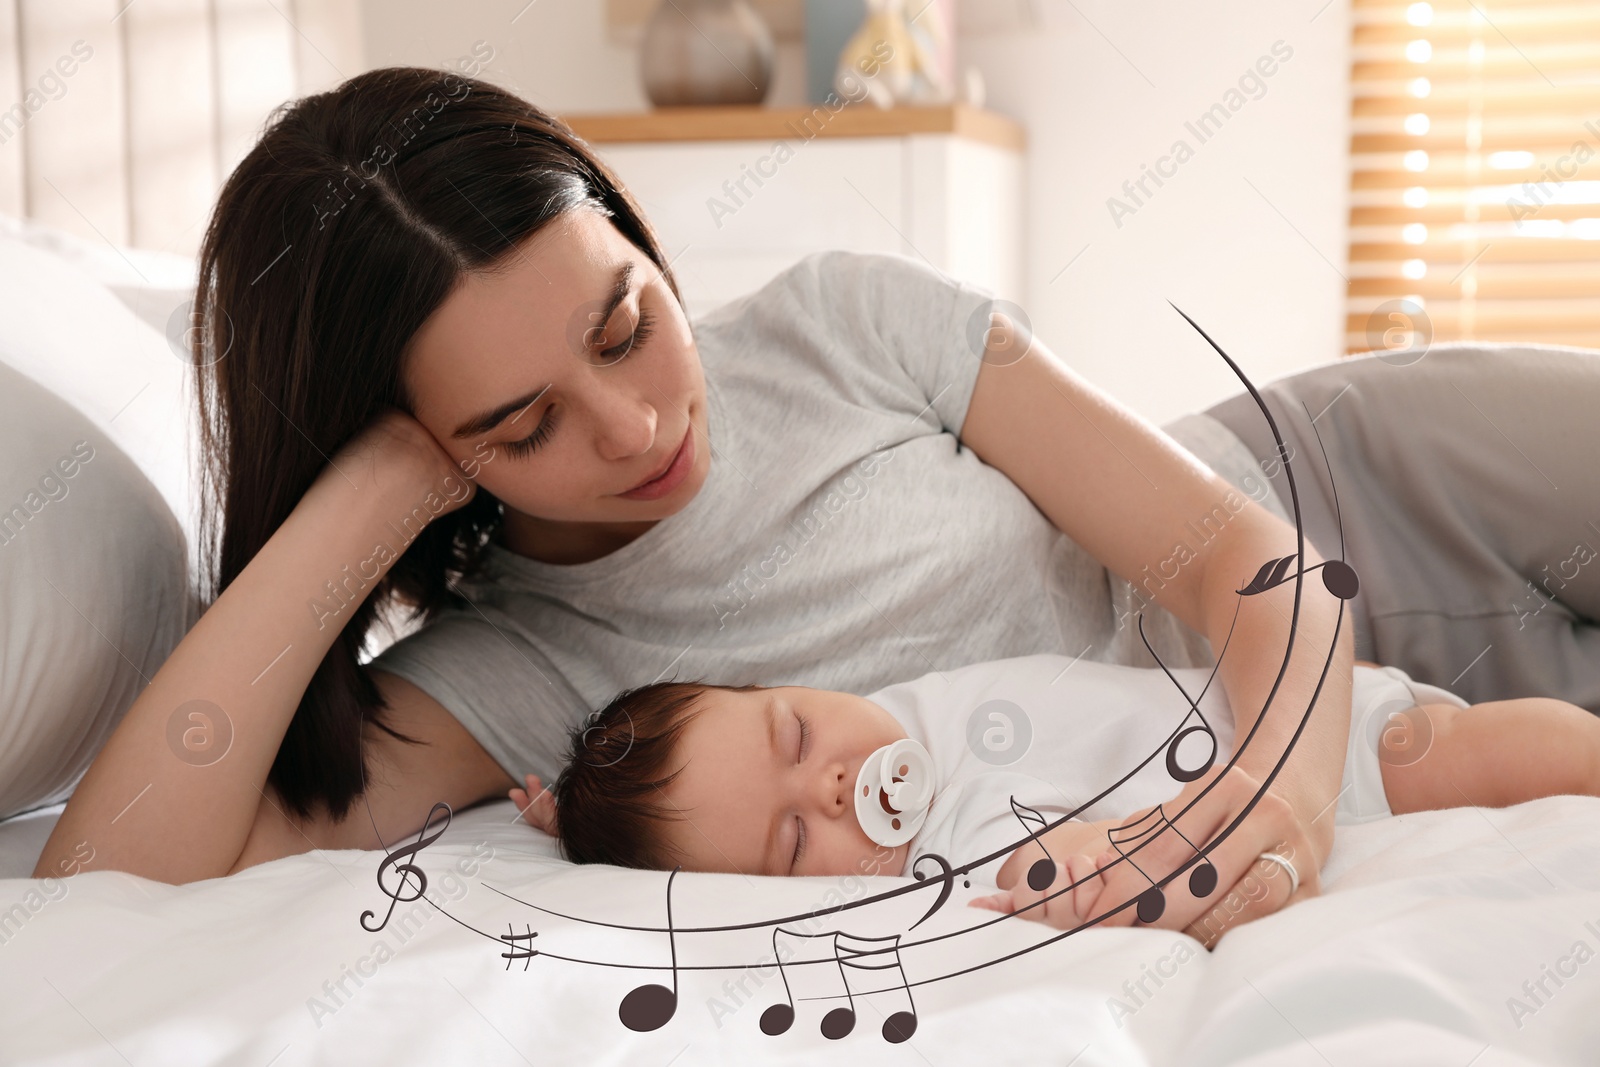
x=737, y=201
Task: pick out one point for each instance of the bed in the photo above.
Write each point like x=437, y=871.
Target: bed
x=1430, y=945
x=1455, y=937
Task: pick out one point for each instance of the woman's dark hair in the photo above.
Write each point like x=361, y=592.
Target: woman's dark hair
x=609, y=800
x=354, y=216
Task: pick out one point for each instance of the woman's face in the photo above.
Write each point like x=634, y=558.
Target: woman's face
x=567, y=379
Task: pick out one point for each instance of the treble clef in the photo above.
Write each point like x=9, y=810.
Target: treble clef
x=424, y=839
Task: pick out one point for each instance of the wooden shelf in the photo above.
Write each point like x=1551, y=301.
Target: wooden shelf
x=752, y=122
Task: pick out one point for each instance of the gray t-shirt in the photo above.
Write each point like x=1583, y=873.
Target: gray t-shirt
x=843, y=538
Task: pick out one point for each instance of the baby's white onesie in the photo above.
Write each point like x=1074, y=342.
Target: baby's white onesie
x=1057, y=733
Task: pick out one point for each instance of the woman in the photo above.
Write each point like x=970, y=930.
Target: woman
x=446, y=367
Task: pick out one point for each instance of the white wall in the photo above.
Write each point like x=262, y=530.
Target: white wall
x=1101, y=101
x=1248, y=236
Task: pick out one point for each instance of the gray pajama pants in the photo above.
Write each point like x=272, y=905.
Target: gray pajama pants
x=1469, y=487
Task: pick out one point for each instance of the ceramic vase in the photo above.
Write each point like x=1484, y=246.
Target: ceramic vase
x=700, y=52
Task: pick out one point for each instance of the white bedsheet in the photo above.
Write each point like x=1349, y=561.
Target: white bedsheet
x=1429, y=926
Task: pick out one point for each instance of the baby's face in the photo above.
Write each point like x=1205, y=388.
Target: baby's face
x=750, y=790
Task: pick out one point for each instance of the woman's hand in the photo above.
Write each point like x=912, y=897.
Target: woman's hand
x=395, y=449
x=540, y=812
x=1247, y=887
x=1065, y=909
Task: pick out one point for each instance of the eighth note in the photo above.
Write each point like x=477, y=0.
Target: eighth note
x=1152, y=902
x=840, y=1021
x=1042, y=872
x=1338, y=577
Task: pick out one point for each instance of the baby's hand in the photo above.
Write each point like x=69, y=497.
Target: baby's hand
x=1064, y=911
x=541, y=812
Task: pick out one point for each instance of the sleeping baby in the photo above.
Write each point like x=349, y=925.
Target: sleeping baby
x=791, y=780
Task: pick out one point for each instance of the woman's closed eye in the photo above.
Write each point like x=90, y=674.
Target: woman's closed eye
x=528, y=445
x=641, y=334
x=539, y=436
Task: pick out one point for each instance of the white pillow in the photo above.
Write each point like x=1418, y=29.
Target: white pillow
x=94, y=567
x=154, y=285
x=94, y=591
x=69, y=332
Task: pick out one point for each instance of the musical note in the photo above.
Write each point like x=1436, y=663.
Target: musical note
x=1042, y=872
x=649, y=1007
x=1152, y=902
x=1178, y=772
x=840, y=1021
x=408, y=869
x=524, y=954
x=1338, y=577
x=1184, y=774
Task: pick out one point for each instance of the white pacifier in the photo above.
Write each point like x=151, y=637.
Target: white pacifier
x=893, y=789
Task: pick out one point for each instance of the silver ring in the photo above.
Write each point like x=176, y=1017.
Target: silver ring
x=1294, y=875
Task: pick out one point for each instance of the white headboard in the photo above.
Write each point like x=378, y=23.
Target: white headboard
x=119, y=119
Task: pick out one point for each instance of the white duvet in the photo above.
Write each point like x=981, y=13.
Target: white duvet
x=1461, y=937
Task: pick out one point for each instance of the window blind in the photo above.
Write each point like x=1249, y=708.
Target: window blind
x=1475, y=173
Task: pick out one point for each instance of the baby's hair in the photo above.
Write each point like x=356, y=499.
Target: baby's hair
x=609, y=800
